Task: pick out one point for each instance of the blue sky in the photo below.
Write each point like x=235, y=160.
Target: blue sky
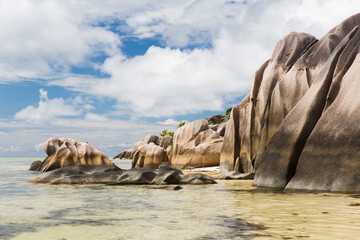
x=111, y=72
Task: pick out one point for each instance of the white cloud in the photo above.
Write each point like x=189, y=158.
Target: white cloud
x=39, y=39
x=169, y=122
x=39, y=147
x=224, y=44
x=95, y=117
x=12, y=148
x=49, y=109
x=43, y=39
x=167, y=81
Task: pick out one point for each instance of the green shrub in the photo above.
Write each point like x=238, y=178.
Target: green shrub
x=228, y=112
x=182, y=123
x=165, y=132
x=170, y=134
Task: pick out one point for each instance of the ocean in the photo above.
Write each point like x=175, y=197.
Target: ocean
x=227, y=210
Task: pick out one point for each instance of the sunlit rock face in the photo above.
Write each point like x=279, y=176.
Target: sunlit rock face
x=196, y=145
x=255, y=120
x=149, y=156
x=298, y=127
x=69, y=152
x=150, y=152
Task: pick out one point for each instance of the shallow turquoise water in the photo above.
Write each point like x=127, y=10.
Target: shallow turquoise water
x=227, y=210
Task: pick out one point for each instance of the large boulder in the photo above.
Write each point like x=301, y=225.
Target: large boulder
x=315, y=147
x=297, y=127
x=196, y=145
x=68, y=152
x=216, y=119
x=281, y=159
x=112, y=175
x=235, y=148
x=222, y=129
x=166, y=141
x=149, y=156
x=149, y=152
x=35, y=165
x=250, y=126
x=126, y=154
x=150, y=139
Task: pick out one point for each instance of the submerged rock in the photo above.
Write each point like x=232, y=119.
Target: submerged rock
x=112, y=175
x=235, y=175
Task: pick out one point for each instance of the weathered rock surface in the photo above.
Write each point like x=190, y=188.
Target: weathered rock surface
x=316, y=145
x=216, y=119
x=149, y=156
x=251, y=127
x=196, y=145
x=233, y=175
x=68, y=152
x=284, y=150
x=150, y=152
x=235, y=150
x=298, y=126
x=112, y=175
x=35, y=165
x=222, y=129
x=166, y=141
x=126, y=154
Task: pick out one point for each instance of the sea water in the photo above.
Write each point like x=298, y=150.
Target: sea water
x=227, y=210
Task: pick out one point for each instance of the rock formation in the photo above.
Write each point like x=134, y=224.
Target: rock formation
x=68, y=152
x=252, y=122
x=298, y=125
x=112, y=175
x=149, y=156
x=150, y=152
x=196, y=145
x=216, y=119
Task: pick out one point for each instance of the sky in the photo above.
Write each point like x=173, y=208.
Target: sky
x=111, y=72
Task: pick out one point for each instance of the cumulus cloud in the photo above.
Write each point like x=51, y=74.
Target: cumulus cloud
x=167, y=82
x=50, y=109
x=39, y=147
x=212, y=49
x=39, y=39
x=207, y=53
x=13, y=148
x=169, y=122
x=95, y=117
